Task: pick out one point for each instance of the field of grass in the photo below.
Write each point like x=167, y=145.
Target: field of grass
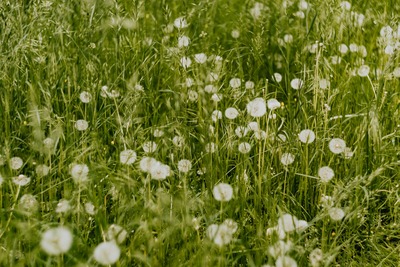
x=199, y=133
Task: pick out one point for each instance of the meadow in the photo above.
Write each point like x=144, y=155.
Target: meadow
x=200, y=133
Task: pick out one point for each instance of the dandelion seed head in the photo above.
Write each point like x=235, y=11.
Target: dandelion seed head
x=231, y=113
x=337, y=145
x=277, y=77
x=178, y=141
x=183, y=41
x=324, y=84
x=81, y=125
x=107, y=253
x=16, y=163
x=79, y=172
x=285, y=261
x=21, y=180
x=180, y=23
x=200, y=58
x=296, y=83
x=63, y=206
x=211, y=89
x=116, y=233
x=336, y=214
x=235, y=83
x=249, y=85
x=316, y=257
x=184, y=165
x=186, y=62
x=28, y=203
x=273, y=104
x=235, y=34
x=216, y=115
x=307, y=136
x=325, y=174
x=287, y=159
x=127, y=156
x=56, y=241
x=244, y=148
x=90, y=208
x=223, y=192
x=257, y=107
x=149, y=146
x=363, y=71
x=85, y=97
x=241, y=131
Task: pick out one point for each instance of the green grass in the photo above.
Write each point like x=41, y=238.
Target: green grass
x=51, y=52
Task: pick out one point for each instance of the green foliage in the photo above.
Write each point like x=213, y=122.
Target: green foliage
x=118, y=65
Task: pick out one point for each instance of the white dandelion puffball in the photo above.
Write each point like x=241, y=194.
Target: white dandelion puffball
x=324, y=84
x=235, y=83
x=235, y=34
x=216, y=97
x=178, y=141
x=56, y=241
x=147, y=163
x=183, y=41
x=241, y=131
x=79, y=172
x=307, y=136
x=336, y=214
x=260, y=135
x=211, y=89
x=337, y=145
x=216, y=115
x=231, y=224
x=160, y=171
x=285, y=261
x=345, y=5
x=211, y=231
x=363, y=71
x=107, y=253
x=223, y=235
x=257, y=107
x=21, y=180
x=316, y=257
x=116, y=233
x=16, y=163
x=180, y=23
x=287, y=159
x=158, y=133
x=325, y=174
x=184, y=165
x=353, y=48
x=231, y=113
x=343, y=49
x=28, y=203
x=277, y=77
x=303, y=5
x=81, y=125
x=200, y=58
x=296, y=83
x=42, y=170
x=280, y=248
x=396, y=72
x=192, y=95
x=186, y=62
x=85, y=97
x=273, y=104
x=127, y=156
x=287, y=222
x=223, y=192
x=90, y=208
x=244, y=148
x=249, y=85
x=253, y=125
x=149, y=146
x=63, y=206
